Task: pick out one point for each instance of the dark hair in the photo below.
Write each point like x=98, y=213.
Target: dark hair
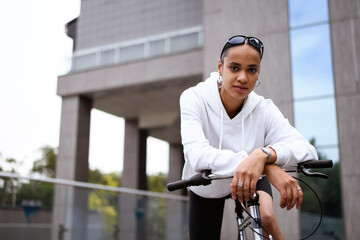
x=223, y=55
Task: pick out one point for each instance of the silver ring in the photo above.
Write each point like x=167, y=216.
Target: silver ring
x=240, y=184
x=299, y=189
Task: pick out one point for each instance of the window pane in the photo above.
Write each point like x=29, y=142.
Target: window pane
x=84, y=62
x=317, y=119
x=157, y=47
x=307, y=11
x=108, y=57
x=311, y=62
x=184, y=42
x=132, y=52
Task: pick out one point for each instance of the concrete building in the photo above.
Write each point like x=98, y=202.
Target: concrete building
x=133, y=59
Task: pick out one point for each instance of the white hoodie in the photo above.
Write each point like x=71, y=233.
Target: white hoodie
x=213, y=141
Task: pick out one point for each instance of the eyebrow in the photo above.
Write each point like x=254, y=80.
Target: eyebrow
x=238, y=64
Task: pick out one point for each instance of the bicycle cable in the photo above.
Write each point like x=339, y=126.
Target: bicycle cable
x=320, y=204
x=267, y=232
x=317, y=227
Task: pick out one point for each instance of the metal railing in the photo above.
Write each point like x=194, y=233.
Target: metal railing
x=103, y=212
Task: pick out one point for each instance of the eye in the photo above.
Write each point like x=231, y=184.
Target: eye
x=234, y=68
x=252, y=70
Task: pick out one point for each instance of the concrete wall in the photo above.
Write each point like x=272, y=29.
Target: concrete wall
x=345, y=39
x=104, y=22
x=15, y=226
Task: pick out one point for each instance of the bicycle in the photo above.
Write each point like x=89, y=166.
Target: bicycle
x=253, y=218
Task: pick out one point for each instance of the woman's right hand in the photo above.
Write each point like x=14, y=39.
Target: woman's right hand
x=248, y=173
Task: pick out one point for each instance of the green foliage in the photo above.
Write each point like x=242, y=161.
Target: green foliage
x=157, y=183
x=47, y=163
x=15, y=191
x=9, y=186
x=329, y=190
x=156, y=207
x=41, y=191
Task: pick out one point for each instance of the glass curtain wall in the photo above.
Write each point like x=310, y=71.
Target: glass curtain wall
x=314, y=107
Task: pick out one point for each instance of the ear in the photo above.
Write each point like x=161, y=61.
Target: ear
x=220, y=67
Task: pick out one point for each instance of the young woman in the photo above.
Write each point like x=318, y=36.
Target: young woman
x=228, y=128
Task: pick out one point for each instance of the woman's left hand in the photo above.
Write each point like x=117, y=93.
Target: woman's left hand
x=289, y=188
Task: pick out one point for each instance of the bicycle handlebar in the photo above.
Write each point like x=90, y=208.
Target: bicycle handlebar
x=203, y=177
x=317, y=164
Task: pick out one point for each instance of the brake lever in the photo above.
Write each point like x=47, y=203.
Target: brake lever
x=305, y=171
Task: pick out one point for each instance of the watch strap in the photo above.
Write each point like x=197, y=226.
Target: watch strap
x=268, y=152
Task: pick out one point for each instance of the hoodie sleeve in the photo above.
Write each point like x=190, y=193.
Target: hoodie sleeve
x=290, y=146
x=197, y=150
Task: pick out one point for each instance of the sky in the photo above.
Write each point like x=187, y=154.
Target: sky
x=34, y=52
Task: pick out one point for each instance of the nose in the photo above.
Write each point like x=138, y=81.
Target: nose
x=242, y=77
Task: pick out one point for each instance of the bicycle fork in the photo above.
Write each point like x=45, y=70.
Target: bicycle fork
x=243, y=223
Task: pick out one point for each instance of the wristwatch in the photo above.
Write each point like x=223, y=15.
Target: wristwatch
x=268, y=152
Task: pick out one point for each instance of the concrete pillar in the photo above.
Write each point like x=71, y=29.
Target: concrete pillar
x=70, y=204
x=176, y=211
x=345, y=40
x=176, y=163
x=132, y=214
x=134, y=172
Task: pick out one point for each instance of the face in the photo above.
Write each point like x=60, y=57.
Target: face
x=239, y=73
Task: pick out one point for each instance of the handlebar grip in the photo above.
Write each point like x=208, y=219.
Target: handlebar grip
x=196, y=180
x=318, y=164
x=178, y=185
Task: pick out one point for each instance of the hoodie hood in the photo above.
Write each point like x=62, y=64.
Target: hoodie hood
x=209, y=91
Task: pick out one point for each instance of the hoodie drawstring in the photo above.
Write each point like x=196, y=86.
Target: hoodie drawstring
x=242, y=132
x=221, y=127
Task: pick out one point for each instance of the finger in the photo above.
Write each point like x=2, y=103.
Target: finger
x=300, y=200
x=295, y=197
x=245, y=190
x=283, y=198
x=252, y=188
x=240, y=192
x=233, y=187
x=289, y=196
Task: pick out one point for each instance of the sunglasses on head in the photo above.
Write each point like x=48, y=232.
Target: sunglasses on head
x=240, y=39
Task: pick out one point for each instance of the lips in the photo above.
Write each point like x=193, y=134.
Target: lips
x=241, y=88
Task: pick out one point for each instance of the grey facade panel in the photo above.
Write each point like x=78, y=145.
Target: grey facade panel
x=104, y=22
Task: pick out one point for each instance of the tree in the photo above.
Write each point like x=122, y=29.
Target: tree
x=10, y=186
x=47, y=163
x=328, y=190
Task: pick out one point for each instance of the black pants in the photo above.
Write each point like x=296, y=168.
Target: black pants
x=206, y=213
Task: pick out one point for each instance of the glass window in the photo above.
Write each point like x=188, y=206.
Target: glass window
x=183, y=42
x=133, y=52
x=329, y=152
x=157, y=47
x=84, y=62
x=317, y=119
x=307, y=11
x=311, y=62
x=108, y=57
